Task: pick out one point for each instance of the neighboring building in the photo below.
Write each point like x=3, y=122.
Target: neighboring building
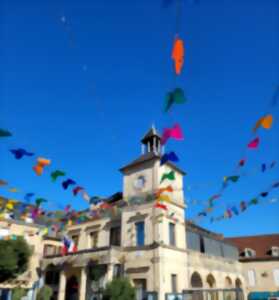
x=259, y=256
x=33, y=235
x=162, y=254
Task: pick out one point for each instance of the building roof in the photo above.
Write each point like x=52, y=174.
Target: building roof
x=151, y=133
x=198, y=229
x=149, y=157
x=260, y=243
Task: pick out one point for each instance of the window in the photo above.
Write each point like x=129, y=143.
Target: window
x=251, y=278
x=140, y=233
x=275, y=251
x=49, y=250
x=52, y=277
x=118, y=270
x=115, y=236
x=75, y=239
x=140, y=286
x=276, y=276
x=172, y=234
x=202, y=248
x=173, y=283
x=93, y=237
x=58, y=250
x=249, y=252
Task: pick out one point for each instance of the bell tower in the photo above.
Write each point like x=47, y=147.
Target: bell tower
x=144, y=175
x=151, y=142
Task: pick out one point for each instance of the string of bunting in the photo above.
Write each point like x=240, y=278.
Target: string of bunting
x=40, y=167
x=242, y=206
x=262, y=168
x=265, y=122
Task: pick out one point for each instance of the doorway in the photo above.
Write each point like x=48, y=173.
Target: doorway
x=72, y=288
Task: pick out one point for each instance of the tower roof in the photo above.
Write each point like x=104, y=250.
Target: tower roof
x=149, y=157
x=150, y=134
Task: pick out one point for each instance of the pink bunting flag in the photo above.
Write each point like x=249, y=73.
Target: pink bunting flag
x=67, y=208
x=175, y=132
x=77, y=189
x=254, y=143
x=229, y=212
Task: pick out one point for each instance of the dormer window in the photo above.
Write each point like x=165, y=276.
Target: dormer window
x=248, y=252
x=275, y=251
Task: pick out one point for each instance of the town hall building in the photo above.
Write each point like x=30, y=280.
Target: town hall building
x=163, y=255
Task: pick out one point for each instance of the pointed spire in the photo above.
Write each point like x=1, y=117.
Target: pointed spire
x=151, y=142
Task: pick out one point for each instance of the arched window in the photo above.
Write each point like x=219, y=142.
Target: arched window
x=211, y=282
x=238, y=283
x=228, y=282
x=196, y=281
x=248, y=252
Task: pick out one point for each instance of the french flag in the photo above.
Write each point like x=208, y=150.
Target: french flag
x=68, y=246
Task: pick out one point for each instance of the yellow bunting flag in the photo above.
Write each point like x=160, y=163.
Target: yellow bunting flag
x=164, y=198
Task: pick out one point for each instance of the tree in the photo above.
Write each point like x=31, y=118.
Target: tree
x=44, y=293
x=14, y=258
x=18, y=293
x=119, y=289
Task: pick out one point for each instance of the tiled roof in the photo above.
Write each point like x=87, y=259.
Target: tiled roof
x=260, y=243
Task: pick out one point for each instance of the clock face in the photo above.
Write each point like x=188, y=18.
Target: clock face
x=139, y=183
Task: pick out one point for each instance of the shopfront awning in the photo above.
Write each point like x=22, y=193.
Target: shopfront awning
x=262, y=295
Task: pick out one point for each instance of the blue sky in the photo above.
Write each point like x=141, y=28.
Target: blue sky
x=84, y=95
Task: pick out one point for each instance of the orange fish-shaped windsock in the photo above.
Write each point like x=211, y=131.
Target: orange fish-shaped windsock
x=178, y=55
x=41, y=163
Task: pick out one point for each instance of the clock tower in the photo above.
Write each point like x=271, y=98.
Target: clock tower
x=143, y=175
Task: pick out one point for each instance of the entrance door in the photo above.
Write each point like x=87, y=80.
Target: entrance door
x=5, y=294
x=72, y=288
x=140, y=285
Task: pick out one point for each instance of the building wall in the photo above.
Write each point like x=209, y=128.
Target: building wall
x=33, y=235
x=177, y=195
x=220, y=268
x=264, y=275
x=148, y=171
x=83, y=231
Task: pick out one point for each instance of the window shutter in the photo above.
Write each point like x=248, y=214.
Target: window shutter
x=251, y=278
x=276, y=276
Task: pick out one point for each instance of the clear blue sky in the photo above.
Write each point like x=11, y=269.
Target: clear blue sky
x=85, y=96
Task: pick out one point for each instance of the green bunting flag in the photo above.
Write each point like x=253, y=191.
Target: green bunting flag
x=4, y=133
x=169, y=176
x=175, y=97
x=253, y=201
x=39, y=201
x=232, y=178
x=54, y=175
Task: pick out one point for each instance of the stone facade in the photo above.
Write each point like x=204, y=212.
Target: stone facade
x=144, y=243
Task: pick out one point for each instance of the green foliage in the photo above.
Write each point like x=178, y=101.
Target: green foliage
x=14, y=258
x=119, y=289
x=96, y=272
x=44, y=293
x=18, y=293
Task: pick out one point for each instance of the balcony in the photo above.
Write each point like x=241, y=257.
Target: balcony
x=102, y=255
